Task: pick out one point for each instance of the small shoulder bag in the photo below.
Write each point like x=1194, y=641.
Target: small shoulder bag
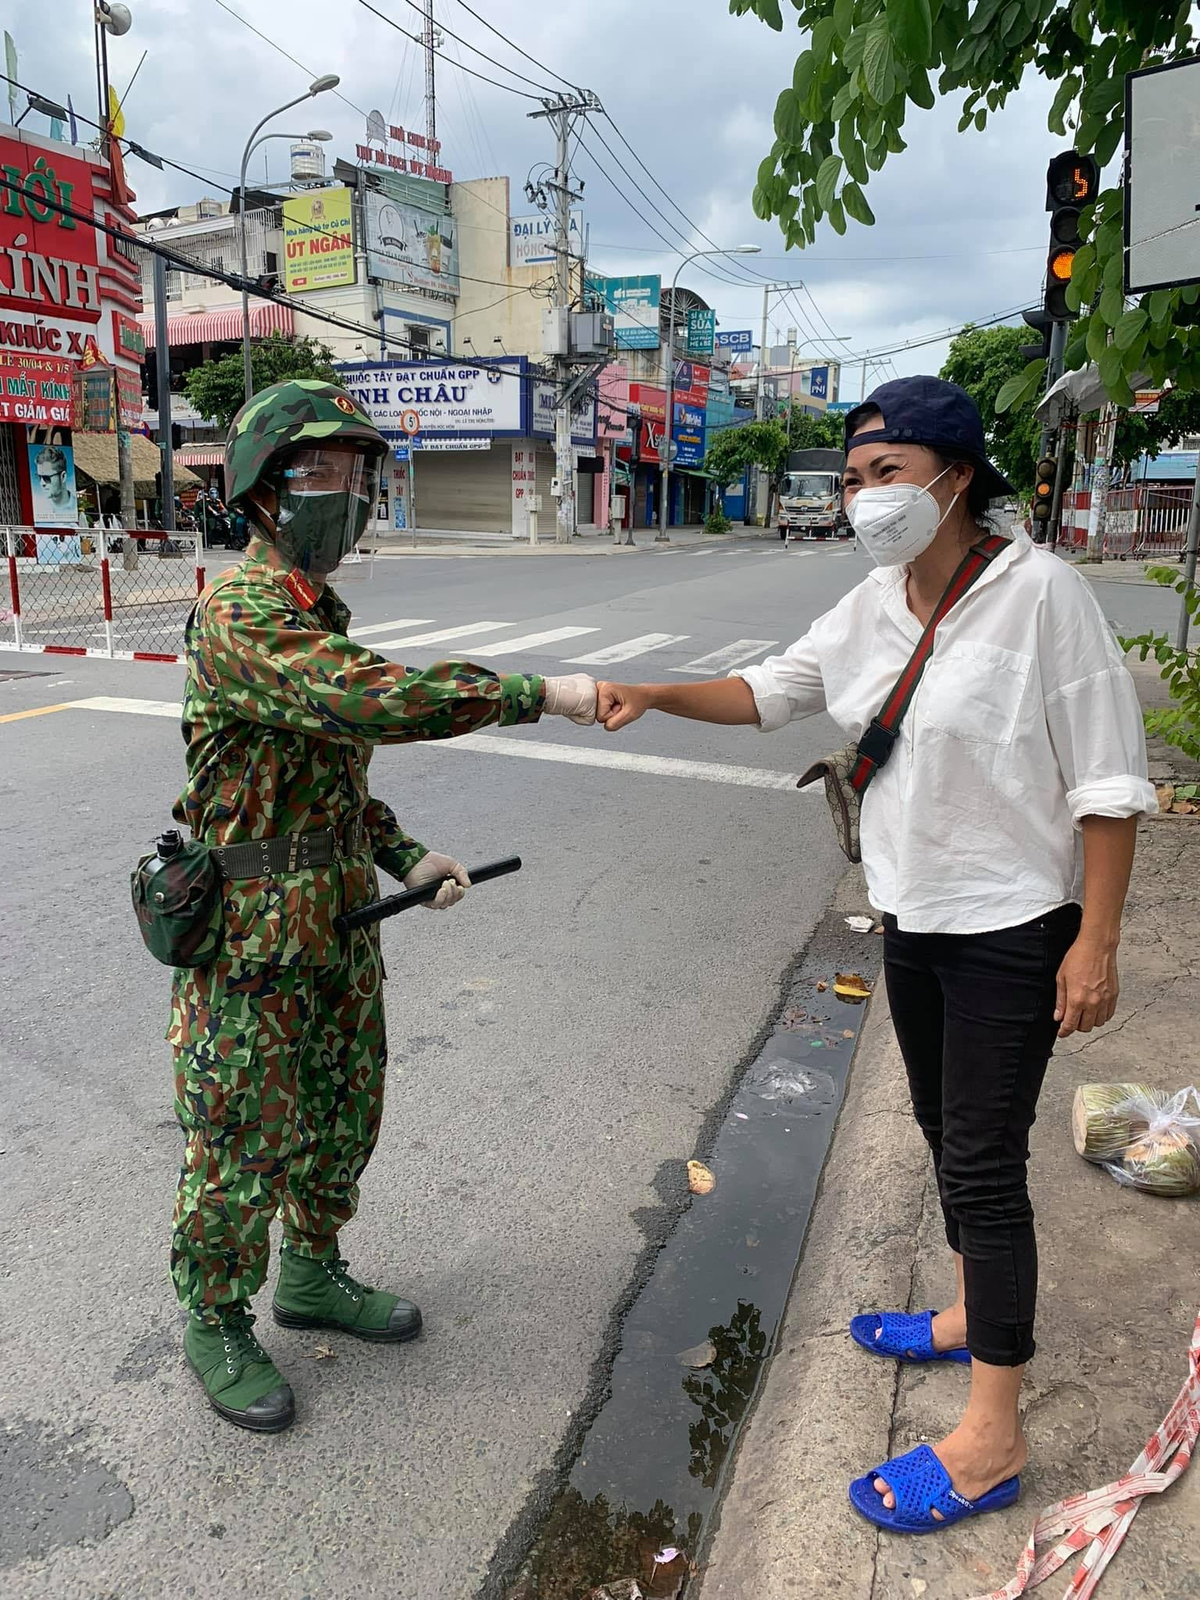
x=848, y=771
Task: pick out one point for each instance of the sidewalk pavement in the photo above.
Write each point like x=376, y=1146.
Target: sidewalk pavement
x=1120, y=1288
x=591, y=542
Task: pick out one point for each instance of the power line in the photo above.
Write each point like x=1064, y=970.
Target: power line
x=513, y=46
x=392, y=23
x=275, y=45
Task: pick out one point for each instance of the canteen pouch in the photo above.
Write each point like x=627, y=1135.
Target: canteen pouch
x=842, y=798
x=178, y=902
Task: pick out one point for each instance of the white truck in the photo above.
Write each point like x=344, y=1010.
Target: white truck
x=810, y=497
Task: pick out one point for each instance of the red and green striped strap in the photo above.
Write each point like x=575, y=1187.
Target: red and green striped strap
x=974, y=563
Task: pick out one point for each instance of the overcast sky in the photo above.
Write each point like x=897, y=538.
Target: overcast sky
x=961, y=230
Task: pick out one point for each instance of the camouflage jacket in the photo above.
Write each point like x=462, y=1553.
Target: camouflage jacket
x=280, y=713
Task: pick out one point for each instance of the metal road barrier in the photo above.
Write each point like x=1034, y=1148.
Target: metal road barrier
x=112, y=592
x=1144, y=522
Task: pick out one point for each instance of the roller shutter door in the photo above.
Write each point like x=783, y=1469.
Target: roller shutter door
x=468, y=489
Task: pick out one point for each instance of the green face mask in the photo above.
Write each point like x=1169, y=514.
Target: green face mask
x=315, y=532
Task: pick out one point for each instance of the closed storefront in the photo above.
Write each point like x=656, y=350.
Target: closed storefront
x=465, y=489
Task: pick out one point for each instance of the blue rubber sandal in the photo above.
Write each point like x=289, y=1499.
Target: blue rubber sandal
x=903, y=1337
x=921, y=1484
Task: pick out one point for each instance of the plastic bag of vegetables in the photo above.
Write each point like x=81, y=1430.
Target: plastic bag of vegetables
x=1146, y=1138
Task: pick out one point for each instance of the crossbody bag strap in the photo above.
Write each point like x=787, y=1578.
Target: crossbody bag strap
x=875, y=746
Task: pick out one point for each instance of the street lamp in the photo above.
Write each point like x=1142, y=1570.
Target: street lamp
x=664, y=510
x=329, y=80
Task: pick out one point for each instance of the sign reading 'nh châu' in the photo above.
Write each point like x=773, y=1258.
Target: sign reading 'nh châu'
x=449, y=398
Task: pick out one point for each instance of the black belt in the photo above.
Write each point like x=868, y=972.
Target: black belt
x=288, y=852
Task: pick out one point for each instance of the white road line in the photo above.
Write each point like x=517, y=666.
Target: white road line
x=579, y=755
x=732, y=655
x=628, y=649
x=382, y=627
x=439, y=634
x=532, y=641
x=137, y=708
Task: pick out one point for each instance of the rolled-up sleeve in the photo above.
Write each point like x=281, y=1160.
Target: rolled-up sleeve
x=1094, y=719
x=786, y=687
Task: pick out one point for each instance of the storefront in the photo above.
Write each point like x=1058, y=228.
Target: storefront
x=470, y=446
x=69, y=345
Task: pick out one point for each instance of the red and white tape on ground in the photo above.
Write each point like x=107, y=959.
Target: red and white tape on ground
x=1097, y=1521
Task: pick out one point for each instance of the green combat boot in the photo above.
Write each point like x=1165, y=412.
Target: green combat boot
x=241, y=1381
x=322, y=1294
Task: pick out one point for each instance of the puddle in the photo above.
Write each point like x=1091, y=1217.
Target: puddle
x=649, y=1471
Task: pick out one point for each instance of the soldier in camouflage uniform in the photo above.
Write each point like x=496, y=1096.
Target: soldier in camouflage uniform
x=279, y=1043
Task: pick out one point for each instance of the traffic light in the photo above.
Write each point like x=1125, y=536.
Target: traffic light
x=1040, y=323
x=1043, y=490
x=1071, y=183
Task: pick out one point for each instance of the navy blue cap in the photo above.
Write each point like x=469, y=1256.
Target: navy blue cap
x=931, y=412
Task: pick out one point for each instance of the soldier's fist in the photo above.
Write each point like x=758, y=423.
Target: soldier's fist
x=573, y=697
x=433, y=867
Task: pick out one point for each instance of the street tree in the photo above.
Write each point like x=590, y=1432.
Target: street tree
x=982, y=361
x=217, y=389
x=867, y=62
x=753, y=444
x=812, y=430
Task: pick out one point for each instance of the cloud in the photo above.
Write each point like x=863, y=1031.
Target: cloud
x=691, y=87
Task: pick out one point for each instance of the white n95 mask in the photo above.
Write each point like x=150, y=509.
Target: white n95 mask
x=898, y=521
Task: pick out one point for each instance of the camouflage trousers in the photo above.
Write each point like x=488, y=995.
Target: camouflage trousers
x=279, y=1091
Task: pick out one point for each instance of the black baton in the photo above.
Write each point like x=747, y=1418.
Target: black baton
x=376, y=910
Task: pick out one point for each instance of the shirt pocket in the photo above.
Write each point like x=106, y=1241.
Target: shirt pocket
x=975, y=692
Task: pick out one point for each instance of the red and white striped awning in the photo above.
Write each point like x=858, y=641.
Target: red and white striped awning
x=200, y=455
x=220, y=327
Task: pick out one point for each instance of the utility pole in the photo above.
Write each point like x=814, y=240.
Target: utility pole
x=1101, y=474
x=162, y=363
x=562, y=113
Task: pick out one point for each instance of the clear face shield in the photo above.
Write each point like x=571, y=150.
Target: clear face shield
x=327, y=500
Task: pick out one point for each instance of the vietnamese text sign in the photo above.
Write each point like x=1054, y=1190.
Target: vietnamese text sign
x=583, y=414
x=531, y=239
x=318, y=235
x=448, y=397
x=95, y=399
x=634, y=303
x=740, y=339
x=36, y=389
x=690, y=413
x=701, y=327
x=410, y=246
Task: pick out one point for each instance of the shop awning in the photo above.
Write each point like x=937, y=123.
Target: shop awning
x=220, y=327
x=200, y=455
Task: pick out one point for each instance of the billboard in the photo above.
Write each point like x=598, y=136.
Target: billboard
x=634, y=303
x=318, y=239
x=410, y=246
x=688, y=424
x=818, y=383
x=583, y=414
x=52, y=480
x=701, y=326
x=531, y=239
x=447, y=397
x=36, y=389
x=740, y=339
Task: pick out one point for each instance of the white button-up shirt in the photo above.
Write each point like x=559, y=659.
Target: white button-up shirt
x=1025, y=720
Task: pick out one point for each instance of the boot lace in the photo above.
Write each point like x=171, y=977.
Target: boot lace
x=242, y=1349
x=339, y=1271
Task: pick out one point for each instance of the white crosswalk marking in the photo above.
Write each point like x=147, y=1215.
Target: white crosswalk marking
x=532, y=641
x=439, y=634
x=731, y=655
x=383, y=627
x=626, y=651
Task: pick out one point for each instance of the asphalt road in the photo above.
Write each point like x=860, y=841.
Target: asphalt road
x=556, y=1043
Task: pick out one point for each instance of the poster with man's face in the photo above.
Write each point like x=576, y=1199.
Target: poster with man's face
x=52, y=474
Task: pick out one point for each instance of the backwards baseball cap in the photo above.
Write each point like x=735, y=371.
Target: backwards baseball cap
x=931, y=412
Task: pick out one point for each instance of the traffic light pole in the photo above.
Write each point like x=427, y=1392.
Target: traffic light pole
x=1054, y=371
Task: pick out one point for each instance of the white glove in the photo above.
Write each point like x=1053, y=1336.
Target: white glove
x=573, y=697
x=433, y=867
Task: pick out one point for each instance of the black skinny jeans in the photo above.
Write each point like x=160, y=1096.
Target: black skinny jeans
x=974, y=1016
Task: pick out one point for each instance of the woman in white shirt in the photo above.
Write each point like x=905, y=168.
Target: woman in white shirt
x=997, y=840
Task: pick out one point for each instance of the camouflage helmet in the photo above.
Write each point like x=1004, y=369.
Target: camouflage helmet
x=299, y=412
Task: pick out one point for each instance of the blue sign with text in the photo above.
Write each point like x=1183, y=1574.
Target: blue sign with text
x=738, y=339
x=819, y=383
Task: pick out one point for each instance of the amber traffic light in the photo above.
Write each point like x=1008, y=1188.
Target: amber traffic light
x=1071, y=184
x=1043, y=489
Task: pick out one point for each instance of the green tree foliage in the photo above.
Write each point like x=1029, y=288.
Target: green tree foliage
x=1178, y=724
x=981, y=361
x=809, y=430
x=866, y=62
x=217, y=389
x=753, y=444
